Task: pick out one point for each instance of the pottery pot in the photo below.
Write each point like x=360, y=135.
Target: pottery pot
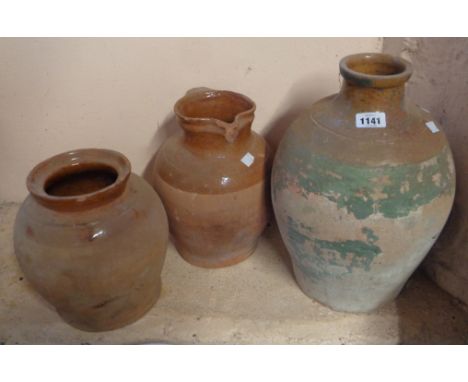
x=211, y=178
x=91, y=238
x=362, y=185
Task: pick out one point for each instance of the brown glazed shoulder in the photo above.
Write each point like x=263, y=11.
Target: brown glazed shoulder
x=220, y=169
x=328, y=128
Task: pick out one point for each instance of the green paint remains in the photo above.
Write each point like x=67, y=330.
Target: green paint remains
x=361, y=253
x=394, y=191
x=371, y=236
x=315, y=256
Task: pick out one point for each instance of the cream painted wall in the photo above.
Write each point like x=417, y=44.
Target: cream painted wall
x=61, y=94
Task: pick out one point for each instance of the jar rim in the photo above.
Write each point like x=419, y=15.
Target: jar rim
x=375, y=70
x=76, y=161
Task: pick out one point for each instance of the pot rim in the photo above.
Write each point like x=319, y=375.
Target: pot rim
x=228, y=129
x=204, y=93
x=75, y=161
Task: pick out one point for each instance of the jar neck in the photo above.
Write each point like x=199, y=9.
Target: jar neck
x=372, y=98
x=374, y=81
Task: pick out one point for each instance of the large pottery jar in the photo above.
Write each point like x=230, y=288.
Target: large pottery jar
x=211, y=178
x=91, y=238
x=362, y=184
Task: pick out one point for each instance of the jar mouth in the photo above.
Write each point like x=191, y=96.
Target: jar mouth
x=208, y=104
x=375, y=70
x=79, y=179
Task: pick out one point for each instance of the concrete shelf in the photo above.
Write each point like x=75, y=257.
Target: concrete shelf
x=255, y=302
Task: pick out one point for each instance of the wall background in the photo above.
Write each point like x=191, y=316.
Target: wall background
x=440, y=84
x=58, y=94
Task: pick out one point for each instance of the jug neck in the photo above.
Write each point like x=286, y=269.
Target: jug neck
x=215, y=118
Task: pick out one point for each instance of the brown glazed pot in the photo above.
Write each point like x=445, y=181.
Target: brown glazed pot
x=211, y=178
x=91, y=238
x=360, y=207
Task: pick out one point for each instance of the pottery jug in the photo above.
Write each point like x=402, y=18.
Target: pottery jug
x=91, y=238
x=362, y=185
x=211, y=178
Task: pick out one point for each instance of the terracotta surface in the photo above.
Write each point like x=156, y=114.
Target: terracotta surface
x=359, y=208
x=211, y=306
x=91, y=238
x=441, y=87
x=211, y=178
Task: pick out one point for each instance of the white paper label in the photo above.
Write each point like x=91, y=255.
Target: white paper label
x=371, y=120
x=248, y=159
x=432, y=126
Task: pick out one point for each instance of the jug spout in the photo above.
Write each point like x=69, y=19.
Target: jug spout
x=221, y=112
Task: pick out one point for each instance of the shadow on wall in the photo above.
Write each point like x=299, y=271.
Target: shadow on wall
x=302, y=95
x=168, y=128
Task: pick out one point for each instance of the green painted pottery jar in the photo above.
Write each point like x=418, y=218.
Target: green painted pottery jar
x=362, y=185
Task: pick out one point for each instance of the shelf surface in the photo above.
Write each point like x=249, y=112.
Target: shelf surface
x=254, y=302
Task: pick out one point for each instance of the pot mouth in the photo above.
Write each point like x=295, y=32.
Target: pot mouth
x=202, y=104
x=375, y=70
x=79, y=179
x=220, y=112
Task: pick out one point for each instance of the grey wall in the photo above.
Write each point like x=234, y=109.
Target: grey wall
x=440, y=84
